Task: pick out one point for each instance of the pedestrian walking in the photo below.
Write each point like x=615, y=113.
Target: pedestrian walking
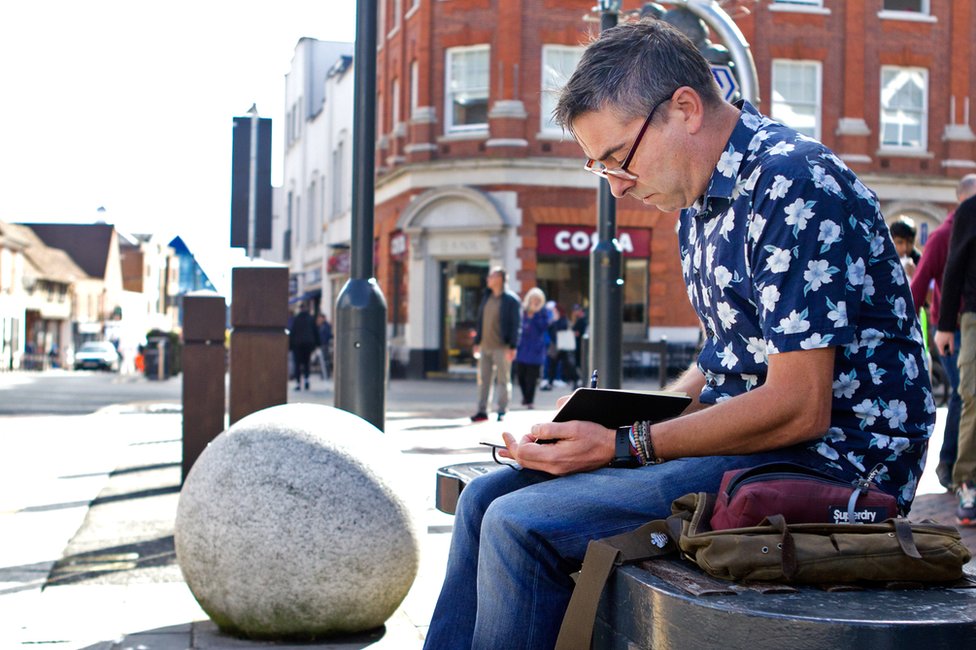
x=531, y=351
x=303, y=338
x=496, y=338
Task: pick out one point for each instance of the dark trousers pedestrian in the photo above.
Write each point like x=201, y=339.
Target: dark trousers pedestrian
x=302, y=356
x=528, y=376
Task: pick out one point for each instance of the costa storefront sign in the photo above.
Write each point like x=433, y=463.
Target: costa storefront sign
x=578, y=241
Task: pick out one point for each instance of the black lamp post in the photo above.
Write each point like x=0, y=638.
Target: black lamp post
x=606, y=283
x=360, y=322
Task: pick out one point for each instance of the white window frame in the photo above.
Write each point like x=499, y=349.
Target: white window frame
x=923, y=111
x=395, y=115
x=547, y=100
x=797, y=64
x=414, y=87
x=925, y=8
x=449, y=53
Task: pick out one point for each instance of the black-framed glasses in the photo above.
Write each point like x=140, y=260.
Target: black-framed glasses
x=601, y=170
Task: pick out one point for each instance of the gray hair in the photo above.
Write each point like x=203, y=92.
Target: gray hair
x=630, y=68
x=966, y=187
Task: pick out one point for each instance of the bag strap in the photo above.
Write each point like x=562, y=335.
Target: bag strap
x=602, y=556
x=906, y=539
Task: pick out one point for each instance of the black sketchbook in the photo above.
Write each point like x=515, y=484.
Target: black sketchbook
x=617, y=408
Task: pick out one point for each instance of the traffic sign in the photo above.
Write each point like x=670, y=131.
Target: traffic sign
x=726, y=81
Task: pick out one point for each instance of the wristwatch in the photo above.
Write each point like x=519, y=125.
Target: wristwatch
x=621, y=450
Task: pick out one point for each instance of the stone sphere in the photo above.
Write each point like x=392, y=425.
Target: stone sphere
x=295, y=524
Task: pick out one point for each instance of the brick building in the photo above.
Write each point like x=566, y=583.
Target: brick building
x=471, y=173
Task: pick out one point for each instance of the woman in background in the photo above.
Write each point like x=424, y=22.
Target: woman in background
x=531, y=353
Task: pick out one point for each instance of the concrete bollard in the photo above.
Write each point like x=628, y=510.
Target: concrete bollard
x=258, y=342
x=204, y=366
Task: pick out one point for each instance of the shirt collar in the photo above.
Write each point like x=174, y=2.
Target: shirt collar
x=721, y=186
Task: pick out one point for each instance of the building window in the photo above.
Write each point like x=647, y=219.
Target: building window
x=414, y=87
x=914, y=6
x=395, y=104
x=313, y=228
x=558, y=63
x=904, y=107
x=796, y=95
x=337, y=180
x=397, y=14
x=467, y=88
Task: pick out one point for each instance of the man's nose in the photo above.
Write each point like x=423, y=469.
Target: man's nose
x=619, y=186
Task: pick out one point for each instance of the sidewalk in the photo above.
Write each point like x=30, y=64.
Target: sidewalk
x=87, y=506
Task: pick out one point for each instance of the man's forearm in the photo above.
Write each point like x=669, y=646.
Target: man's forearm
x=691, y=383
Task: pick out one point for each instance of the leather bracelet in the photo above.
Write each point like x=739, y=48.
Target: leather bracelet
x=652, y=457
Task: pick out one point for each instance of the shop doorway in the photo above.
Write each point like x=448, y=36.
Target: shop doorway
x=462, y=287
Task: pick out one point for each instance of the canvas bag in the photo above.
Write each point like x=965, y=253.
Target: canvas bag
x=893, y=550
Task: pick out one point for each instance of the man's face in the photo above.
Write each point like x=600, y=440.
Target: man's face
x=903, y=246
x=496, y=282
x=660, y=162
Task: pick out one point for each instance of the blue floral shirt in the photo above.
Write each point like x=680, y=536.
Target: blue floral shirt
x=788, y=250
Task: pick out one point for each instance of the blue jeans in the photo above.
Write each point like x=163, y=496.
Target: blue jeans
x=519, y=534
x=950, y=438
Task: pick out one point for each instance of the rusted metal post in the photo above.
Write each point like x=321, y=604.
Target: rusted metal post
x=258, y=342
x=204, y=367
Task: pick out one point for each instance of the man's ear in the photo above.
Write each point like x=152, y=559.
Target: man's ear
x=692, y=109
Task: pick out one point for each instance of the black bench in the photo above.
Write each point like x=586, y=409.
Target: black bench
x=672, y=604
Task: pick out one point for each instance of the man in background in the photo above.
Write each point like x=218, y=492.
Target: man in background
x=499, y=326
x=928, y=276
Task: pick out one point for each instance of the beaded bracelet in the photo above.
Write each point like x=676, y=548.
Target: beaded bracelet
x=636, y=447
x=643, y=436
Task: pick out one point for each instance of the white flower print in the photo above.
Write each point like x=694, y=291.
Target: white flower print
x=837, y=162
x=877, y=245
x=757, y=140
x=781, y=148
x=827, y=451
x=769, y=297
x=797, y=215
x=816, y=341
x=818, y=272
x=871, y=338
x=838, y=313
x=685, y=263
x=829, y=234
x=856, y=461
x=909, y=365
x=723, y=278
x=771, y=348
x=751, y=120
x=929, y=401
x=855, y=272
x=795, y=323
x=879, y=440
x=825, y=181
x=728, y=164
x=750, y=380
x=713, y=379
x=757, y=348
x=897, y=273
x=908, y=489
x=897, y=446
x=756, y=225
x=753, y=178
x=867, y=411
x=781, y=185
x=728, y=357
x=868, y=290
x=876, y=373
x=900, y=308
x=778, y=260
x=846, y=385
x=835, y=434
x=728, y=223
x=709, y=256
x=896, y=413
x=727, y=315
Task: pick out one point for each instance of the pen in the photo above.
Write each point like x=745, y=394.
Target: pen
x=593, y=379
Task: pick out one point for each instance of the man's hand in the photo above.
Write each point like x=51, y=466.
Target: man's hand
x=510, y=354
x=578, y=447
x=945, y=342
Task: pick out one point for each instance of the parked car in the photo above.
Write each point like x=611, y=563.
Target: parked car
x=97, y=355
